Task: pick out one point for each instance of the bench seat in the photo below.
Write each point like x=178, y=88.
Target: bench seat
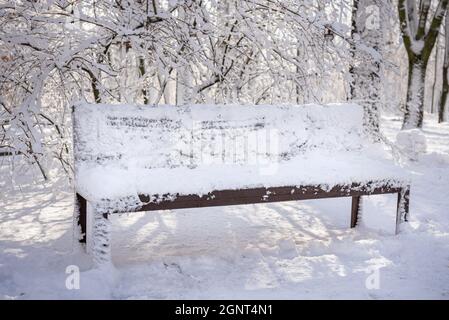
x=99, y=183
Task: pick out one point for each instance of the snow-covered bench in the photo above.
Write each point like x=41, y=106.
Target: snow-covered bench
x=142, y=158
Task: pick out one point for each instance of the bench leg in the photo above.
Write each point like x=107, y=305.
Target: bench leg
x=402, y=207
x=100, y=246
x=81, y=205
x=355, y=209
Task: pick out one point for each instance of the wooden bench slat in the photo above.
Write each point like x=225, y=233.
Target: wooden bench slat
x=262, y=195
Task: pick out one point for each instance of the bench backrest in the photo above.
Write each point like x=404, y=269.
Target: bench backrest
x=189, y=136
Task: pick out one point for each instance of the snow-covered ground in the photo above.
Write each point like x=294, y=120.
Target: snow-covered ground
x=290, y=250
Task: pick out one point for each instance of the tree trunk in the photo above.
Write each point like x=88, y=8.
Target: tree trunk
x=419, y=41
x=443, y=99
x=366, y=86
x=354, y=32
x=435, y=76
x=183, y=77
x=142, y=73
x=445, y=89
x=414, y=108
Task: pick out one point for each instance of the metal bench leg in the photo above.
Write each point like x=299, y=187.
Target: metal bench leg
x=402, y=207
x=355, y=208
x=81, y=204
x=406, y=203
x=100, y=245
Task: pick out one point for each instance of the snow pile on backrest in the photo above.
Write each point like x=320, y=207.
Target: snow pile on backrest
x=189, y=136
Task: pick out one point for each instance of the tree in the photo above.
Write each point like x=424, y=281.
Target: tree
x=365, y=86
x=419, y=34
x=445, y=89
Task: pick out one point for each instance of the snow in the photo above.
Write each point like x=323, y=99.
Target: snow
x=122, y=151
x=292, y=250
x=412, y=142
x=417, y=46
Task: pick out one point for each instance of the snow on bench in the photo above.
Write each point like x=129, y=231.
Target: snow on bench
x=141, y=158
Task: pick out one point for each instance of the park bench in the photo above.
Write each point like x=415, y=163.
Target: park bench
x=142, y=158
